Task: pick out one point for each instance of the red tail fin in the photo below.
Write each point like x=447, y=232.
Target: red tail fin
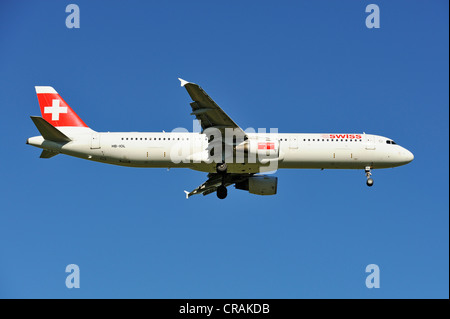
x=55, y=110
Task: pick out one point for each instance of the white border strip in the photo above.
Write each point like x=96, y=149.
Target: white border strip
x=45, y=89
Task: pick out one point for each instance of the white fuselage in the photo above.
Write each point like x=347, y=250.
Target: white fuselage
x=189, y=150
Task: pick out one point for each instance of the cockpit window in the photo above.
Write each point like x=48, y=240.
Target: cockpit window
x=390, y=142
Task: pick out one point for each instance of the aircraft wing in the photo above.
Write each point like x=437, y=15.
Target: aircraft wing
x=215, y=180
x=207, y=111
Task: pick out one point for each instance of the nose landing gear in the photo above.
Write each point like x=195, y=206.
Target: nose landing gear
x=369, y=181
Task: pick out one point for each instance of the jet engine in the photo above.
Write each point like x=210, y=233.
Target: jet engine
x=259, y=185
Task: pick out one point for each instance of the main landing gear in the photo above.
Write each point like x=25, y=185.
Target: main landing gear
x=222, y=191
x=369, y=181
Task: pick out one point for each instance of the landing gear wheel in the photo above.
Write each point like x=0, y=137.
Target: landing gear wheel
x=221, y=168
x=368, y=174
x=222, y=192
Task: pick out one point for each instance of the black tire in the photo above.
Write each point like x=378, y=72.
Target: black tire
x=221, y=168
x=369, y=182
x=222, y=192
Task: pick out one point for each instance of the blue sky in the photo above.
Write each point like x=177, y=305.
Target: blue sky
x=299, y=66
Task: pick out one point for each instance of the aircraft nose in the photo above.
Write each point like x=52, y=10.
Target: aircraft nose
x=403, y=156
x=410, y=156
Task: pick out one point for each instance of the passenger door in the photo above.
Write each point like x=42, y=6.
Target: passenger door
x=293, y=142
x=95, y=141
x=369, y=141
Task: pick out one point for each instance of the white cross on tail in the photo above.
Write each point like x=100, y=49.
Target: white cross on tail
x=55, y=110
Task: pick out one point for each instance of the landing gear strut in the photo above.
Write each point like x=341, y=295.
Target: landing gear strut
x=369, y=181
x=222, y=192
x=221, y=169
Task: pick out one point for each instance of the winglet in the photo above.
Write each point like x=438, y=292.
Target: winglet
x=183, y=82
x=187, y=194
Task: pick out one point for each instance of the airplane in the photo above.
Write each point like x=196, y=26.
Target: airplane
x=230, y=155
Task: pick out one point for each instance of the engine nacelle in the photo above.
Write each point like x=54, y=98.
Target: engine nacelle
x=259, y=185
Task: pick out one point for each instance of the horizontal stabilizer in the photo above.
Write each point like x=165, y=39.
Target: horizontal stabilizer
x=48, y=131
x=48, y=154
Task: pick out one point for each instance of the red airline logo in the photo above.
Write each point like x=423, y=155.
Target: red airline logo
x=57, y=112
x=266, y=146
x=350, y=136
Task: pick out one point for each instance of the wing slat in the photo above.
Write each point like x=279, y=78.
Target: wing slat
x=215, y=180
